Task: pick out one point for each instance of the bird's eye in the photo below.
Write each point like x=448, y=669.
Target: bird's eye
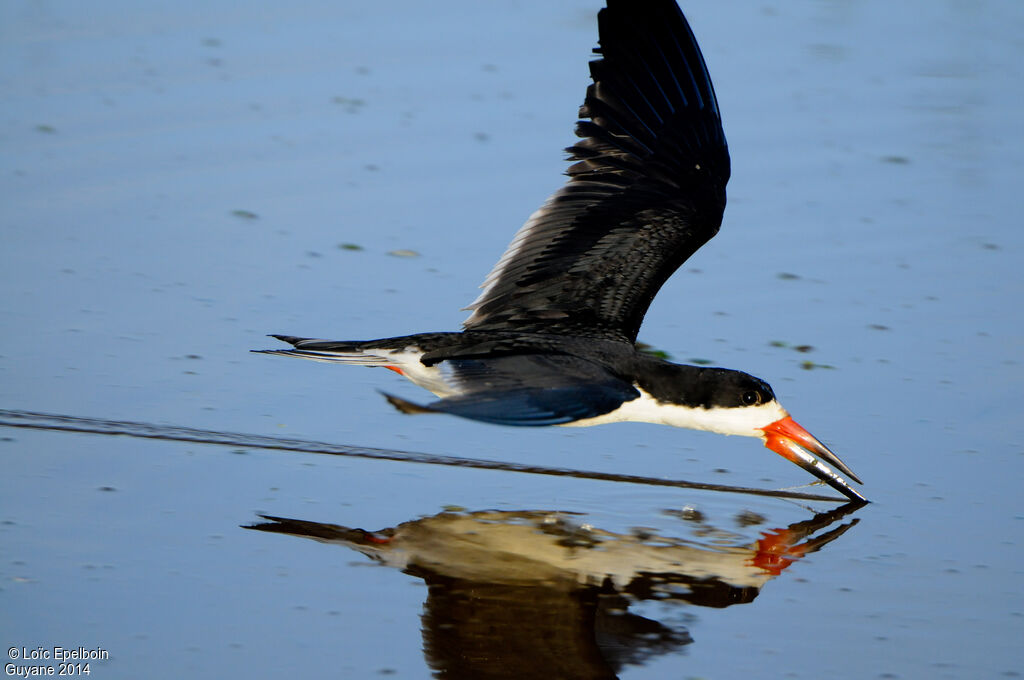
x=751, y=398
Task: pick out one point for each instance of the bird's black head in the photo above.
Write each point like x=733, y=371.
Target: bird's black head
x=733, y=402
x=732, y=389
x=703, y=387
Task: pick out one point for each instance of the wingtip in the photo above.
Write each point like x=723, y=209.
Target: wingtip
x=406, y=406
x=282, y=338
x=290, y=339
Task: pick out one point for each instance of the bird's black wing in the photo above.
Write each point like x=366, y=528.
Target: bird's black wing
x=646, y=191
x=527, y=389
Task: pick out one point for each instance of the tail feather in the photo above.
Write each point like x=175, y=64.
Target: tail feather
x=340, y=346
x=330, y=351
x=329, y=357
x=400, y=354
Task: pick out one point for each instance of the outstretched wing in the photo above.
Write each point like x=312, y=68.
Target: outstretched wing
x=527, y=389
x=646, y=191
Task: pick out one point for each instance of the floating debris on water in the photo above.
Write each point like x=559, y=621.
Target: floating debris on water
x=350, y=104
x=686, y=513
x=796, y=348
x=749, y=518
x=651, y=350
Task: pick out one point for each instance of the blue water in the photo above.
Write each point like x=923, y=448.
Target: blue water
x=176, y=182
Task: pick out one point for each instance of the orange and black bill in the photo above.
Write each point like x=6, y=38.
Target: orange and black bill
x=788, y=439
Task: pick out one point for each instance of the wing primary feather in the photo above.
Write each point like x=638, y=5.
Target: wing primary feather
x=646, y=188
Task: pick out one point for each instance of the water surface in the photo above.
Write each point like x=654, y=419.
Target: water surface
x=176, y=184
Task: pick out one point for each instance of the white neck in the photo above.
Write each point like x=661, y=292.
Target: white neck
x=745, y=421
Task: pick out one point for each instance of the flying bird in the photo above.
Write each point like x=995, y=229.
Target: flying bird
x=551, y=339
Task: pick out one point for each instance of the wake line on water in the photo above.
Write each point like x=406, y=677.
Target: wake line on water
x=125, y=428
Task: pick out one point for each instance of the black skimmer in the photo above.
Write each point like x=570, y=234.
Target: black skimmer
x=551, y=339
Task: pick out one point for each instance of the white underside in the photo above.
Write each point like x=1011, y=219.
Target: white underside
x=431, y=378
x=746, y=421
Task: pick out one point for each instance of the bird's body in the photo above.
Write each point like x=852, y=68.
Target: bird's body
x=551, y=338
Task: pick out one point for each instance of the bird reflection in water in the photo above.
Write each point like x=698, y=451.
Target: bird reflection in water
x=540, y=594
